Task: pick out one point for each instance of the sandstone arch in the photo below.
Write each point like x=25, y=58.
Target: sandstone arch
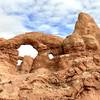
x=40, y=41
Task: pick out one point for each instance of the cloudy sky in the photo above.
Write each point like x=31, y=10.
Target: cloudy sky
x=50, y=16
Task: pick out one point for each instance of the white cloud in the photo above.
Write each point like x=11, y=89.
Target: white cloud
x=10, y=23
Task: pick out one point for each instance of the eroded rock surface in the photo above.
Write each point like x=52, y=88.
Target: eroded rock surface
x=72, y=74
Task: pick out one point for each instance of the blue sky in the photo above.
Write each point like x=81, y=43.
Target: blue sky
x=56, y=17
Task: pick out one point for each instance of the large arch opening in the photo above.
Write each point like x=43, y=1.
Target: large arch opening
x=27, y=50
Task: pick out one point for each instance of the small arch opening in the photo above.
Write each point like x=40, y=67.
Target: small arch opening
x=19, y=62
x=50, y=56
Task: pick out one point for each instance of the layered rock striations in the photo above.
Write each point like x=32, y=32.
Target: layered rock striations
x=72, y=74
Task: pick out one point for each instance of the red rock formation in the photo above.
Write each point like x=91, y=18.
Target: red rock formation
x=73, y=73
x=85, y=25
